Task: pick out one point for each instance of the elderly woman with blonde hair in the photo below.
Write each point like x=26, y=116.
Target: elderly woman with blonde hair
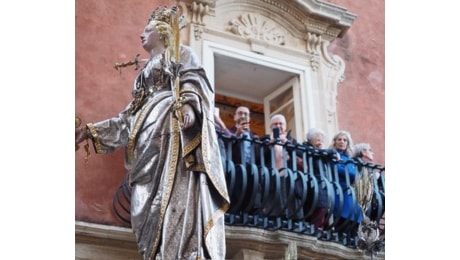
x=350, y=214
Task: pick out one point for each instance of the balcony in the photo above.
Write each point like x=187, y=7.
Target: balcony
x=273, y=212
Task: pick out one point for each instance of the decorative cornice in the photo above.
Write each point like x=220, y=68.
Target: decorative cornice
x=298, y=16
x=332, y=33
x=337, y=17
x=322, y=28
x=323, y=17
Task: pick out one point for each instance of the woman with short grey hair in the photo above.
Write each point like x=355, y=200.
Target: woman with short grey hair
x=364, y=152
x=316, y=137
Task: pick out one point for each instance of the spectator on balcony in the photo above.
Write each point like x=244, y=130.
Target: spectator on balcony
x=242, y=118
x=282, y=162
x=315, y=139
x=179, y=195
x=280, y=136
x=245, y=156
x=242, y=130
x=363, y=154
x=351, y=212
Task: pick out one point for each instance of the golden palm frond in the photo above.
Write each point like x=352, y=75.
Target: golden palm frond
x=364, y=188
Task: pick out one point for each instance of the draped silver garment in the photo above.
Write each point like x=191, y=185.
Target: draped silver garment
x=179, y=194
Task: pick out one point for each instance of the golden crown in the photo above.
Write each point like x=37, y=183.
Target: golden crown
x=166, y=15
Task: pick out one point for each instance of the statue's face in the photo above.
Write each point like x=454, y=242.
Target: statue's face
x=150, y=38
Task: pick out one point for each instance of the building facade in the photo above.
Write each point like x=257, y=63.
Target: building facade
x=320, y=63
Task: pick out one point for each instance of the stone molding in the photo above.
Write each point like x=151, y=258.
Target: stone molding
x=97, y=241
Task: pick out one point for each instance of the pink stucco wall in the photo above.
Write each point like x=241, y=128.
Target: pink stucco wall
x=107, y=32
x=361, y=97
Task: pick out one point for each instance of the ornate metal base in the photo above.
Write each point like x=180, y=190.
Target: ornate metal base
x=369, y=238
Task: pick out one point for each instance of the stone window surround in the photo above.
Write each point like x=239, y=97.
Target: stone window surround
x=293, y=35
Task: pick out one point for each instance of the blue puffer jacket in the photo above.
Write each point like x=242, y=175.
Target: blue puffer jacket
x=348, y=203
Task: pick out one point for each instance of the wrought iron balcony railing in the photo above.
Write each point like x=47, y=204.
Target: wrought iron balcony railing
x=293, y=198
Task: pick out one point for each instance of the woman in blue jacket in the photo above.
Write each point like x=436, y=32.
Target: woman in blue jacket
x=347, y=213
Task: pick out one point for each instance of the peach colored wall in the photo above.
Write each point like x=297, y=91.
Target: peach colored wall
x=107, y=31
x=361, y=96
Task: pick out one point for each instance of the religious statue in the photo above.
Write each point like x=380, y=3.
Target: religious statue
x=179, y=195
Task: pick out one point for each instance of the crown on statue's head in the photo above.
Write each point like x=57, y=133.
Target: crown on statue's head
x=167, y=15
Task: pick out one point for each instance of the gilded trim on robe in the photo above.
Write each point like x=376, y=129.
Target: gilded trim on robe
x=191, y=145
x=198, y=168
x=175, y=137
x=210, y=223
x=95, y=138
x=222, y=190
x=189, y=161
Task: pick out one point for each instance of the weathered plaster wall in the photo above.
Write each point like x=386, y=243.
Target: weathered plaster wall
x=361, y=96
x=107, y=32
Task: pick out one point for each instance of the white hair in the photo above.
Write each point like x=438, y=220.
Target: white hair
x=359, y=148
x=312, y=132
x=275, y=116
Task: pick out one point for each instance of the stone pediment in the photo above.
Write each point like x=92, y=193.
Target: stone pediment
x=298, y=17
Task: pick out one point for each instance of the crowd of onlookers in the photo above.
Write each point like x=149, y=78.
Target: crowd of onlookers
x=293, y=163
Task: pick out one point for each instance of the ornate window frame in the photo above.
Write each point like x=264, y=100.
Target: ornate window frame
x=293, y=32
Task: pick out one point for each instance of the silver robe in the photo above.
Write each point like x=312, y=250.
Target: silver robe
x=179, y=195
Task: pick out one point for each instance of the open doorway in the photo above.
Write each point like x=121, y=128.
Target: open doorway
x=248, y=83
